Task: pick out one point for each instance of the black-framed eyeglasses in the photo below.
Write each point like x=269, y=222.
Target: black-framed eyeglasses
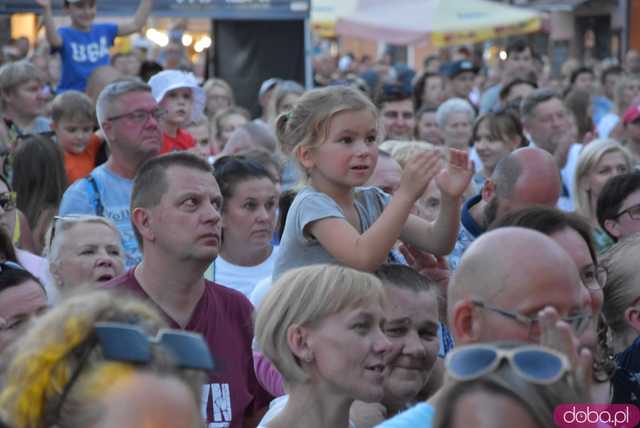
x=141, y=116
x=8, y=200
x=578, y=322
x=130, y=344
x=633, y=211
x=594, y=277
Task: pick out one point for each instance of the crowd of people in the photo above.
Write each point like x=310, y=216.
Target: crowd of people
x=443, y=248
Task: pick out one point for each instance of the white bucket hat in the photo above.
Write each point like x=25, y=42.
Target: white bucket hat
x=169, y=80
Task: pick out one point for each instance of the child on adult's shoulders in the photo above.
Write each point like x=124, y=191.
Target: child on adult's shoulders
x=182, y=99
x=85, y=45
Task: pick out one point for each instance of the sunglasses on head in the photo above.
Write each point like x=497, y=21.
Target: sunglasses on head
x=129, y=343
x=535, y=364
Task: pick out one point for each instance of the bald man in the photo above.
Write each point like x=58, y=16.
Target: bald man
x=517, y=271
x=525, y=178
x=505, y=279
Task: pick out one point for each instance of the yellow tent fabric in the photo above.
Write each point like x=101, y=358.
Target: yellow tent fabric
x=446, y=22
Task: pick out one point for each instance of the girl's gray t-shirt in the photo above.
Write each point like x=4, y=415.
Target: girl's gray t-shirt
x=296, y=249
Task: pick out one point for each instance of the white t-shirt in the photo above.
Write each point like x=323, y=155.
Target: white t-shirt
x=276, y=407
x=260, y=291
x=240, y=278
x=606, y=124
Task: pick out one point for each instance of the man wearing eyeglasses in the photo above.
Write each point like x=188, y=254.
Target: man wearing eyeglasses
x=129, y=118
x=513, y=284
x=618, y=208
x=176, y=206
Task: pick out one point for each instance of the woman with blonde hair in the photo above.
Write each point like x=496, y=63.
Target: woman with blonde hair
x=320, y=326
x=621, y=299
x=598, y=161
x=76, y=360
x=219, y=96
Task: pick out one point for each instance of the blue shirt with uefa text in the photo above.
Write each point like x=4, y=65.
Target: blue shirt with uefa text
x=82, y=51
x=115, y=196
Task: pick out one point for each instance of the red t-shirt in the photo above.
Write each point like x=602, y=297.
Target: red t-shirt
x=182, y=141
x=223, y=317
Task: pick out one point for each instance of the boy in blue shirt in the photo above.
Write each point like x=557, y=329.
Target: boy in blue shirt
x=84, y=45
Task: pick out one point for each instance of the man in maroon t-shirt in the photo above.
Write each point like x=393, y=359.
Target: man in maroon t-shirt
x=175, y=211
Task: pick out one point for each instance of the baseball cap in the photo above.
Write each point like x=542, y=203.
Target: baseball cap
x=454, y=68
x=267, y=85
x=631, y=115
x=168, y=80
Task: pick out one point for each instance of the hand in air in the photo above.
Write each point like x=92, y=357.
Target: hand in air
x=454, y=179
x=434, y=267
x=417, y=174
x=558, y=335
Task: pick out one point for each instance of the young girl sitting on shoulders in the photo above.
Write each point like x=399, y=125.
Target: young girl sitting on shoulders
x=335, y=132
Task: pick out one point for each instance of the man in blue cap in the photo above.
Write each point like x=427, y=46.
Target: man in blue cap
x=462, y=75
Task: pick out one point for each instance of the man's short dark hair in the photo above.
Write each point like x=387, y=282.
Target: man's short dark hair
x=403, y=276
x=549, y=220
x=504, y=92
x=393, y=92
x=614, y=69
x=612, y=196
x=518, y=46
x=150, y=183
x=418, y=88
x=578, y=71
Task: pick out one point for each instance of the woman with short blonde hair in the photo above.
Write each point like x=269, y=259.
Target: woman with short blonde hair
x=320, y=326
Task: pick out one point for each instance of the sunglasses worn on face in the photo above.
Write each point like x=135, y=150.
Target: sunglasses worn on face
x=535, y=364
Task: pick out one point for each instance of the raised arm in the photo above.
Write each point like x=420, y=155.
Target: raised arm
x=369, y=250
x=440, y=236
x=139, y=19
x=54, y=39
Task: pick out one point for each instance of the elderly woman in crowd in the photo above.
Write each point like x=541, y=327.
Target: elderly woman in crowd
x=455, y=119
x=84, y=250
x=71, y=369
x=598, y=162
x=504, y=383
x=321, y=327
x=621, y=297
x=250, y=198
